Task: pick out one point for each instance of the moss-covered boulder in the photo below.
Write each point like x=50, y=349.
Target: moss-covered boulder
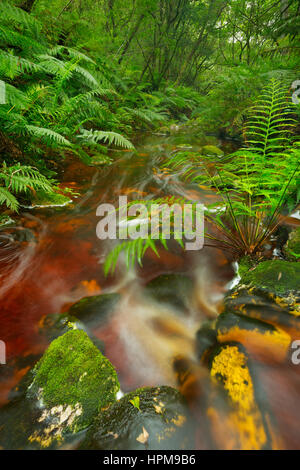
x=269, y=292
x=278, y=277
x=173, y=289
x=212, y=150
x=71, y=383
x=292, y=247
x=43, y=199
x=146, y=419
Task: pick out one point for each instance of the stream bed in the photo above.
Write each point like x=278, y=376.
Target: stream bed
x=52, y=258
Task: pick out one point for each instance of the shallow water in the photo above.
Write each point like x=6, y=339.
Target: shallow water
x=52, y=258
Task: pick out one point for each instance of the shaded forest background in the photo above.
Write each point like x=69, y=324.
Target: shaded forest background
x=81, y=76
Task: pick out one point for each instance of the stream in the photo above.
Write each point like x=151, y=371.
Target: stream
x=52, y=258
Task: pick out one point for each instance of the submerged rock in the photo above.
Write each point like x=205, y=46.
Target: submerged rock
x=292, y=247
x=101, y=159
x=146, y=419
x=212, y=150
x=173, y=289
x=94, y=310
x=43, y=199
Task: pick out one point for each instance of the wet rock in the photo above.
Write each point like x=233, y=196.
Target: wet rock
x=94, y=310
x=71, y=383
x=98, y=160
x=173, y=289
x=266, y=307
x=268, y=292
x=292, y=247
x=278, y=277
x=60, y=396
x=258, y=337
x=146, y=419
x=231, y=367
x=212, y=150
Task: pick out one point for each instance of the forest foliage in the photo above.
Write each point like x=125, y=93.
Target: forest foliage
x=81, y=76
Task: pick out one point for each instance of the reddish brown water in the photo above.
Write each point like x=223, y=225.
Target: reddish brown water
x=52, y=258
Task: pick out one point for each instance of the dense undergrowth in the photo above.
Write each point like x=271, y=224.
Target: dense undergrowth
x=254, y=184
x=78, y=78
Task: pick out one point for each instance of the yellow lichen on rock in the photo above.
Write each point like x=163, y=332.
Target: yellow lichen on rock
x=231, y=366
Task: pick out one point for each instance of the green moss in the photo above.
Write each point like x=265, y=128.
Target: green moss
x=278, y=277
x=245, y=264
x=44, y=199
x=100, y=160
x=292, y=247
x=73, y=372
x=212, y=150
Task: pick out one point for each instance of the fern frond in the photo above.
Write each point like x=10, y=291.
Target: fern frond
x=112, y=138
x=271, y=120
x=48, y=136
x=7, y=198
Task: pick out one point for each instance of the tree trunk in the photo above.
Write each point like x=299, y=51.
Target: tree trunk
x=132, y=35
x=27, y=5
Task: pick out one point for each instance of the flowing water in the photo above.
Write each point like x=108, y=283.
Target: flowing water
x=52, y=258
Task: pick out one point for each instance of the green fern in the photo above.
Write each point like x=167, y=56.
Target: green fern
x=112, y=138
x=269, y=127
x=48, y=136
x=18, y=179
x=253, y=183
